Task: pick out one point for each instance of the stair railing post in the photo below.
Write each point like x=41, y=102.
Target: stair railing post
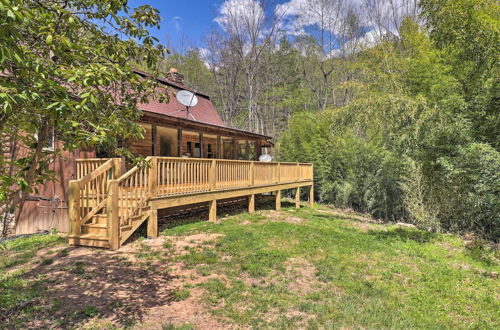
x=278, y=174
x=117, y=168
x=153, y=177
x=212, y=175
x=297, y=175
x=74, y=207
x=251, y=175
x=113, y=215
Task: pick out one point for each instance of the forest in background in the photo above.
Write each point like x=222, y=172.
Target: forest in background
x=395, y=102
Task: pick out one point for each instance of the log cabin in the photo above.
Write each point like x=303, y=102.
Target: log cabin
x=194, y=158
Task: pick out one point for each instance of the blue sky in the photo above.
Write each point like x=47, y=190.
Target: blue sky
x=185, y=23
x=189, y=18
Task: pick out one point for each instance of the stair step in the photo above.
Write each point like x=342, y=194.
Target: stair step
x=101, y=219
x=95, y=228
x=137, y=217
x=89, y=240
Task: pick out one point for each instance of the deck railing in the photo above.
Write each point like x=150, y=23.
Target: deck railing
x=191, y=175
x=126, y=198
x=87, y=166
x=182, y=175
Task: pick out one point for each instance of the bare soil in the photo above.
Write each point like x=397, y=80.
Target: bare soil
x=120, y=288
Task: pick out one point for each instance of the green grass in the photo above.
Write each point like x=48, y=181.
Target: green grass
x=317, y=271
x=181, y=295
x=16, y=291
x=22, y=250
x=375, y=277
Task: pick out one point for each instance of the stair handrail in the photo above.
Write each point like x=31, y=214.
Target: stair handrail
x=127, y=195
x=93, y=185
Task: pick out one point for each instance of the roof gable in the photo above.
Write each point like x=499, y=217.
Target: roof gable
x=204, y=111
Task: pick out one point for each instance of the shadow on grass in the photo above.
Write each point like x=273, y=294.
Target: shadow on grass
x=404, y=234
x=88, y=283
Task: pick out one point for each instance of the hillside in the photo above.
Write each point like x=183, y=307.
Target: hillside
x=290, y=269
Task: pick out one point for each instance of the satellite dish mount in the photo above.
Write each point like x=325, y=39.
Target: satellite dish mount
x=188, y=99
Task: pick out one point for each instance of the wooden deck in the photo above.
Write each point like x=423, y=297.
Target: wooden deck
x=106, y=207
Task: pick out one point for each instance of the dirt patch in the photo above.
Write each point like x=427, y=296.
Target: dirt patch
x=138, y=284
x=90, y=282
x=283, y=243
x=302, y=276
x=277, y=216
x=360, y=221
x=299, y=277
x=189, y=311
x=182, y=243
x=349, y=214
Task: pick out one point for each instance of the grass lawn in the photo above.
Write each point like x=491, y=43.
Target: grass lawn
x=306, y=268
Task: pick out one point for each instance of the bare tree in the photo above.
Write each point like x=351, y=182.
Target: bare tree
x=246, y=33
x=321, y=38
x=385, y=16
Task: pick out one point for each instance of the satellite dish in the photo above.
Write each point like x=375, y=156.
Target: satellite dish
x=265, y=158
x=187, y=98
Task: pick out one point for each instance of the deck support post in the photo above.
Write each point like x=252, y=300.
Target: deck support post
x=113, y=219
x=251, y=204
x=311, y=196
x=212, y=175
x=251, y=175
x=153, y=223
x=297, y=198
x=278, y=200
x=117, y=168
x=212, y=210
x=74, y=207
x=153, y=177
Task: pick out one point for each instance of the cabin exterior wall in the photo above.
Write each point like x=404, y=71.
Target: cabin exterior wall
x=47, y=207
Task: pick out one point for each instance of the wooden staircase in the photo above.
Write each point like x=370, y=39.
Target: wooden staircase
x=105, y=209
x=96, y=233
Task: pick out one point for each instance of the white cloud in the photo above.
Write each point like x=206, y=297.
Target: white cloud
x=239, y=16
x=205, y=56
x=377, y=17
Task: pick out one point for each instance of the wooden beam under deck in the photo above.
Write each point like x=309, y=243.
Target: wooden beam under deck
x=163, y=202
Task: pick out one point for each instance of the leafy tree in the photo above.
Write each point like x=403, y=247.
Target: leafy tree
x=406, y=145
x=65, y=71
x=468, y=33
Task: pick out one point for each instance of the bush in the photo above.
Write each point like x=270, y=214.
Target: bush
x=470, y=190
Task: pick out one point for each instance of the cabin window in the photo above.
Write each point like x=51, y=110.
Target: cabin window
x=197, y=150
x=51, y=141
x=242, y=151
x=209, y=151
x=165, y=147
x=228, y=149
x=189, y=150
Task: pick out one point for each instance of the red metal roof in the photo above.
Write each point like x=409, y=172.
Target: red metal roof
x=204, y=111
